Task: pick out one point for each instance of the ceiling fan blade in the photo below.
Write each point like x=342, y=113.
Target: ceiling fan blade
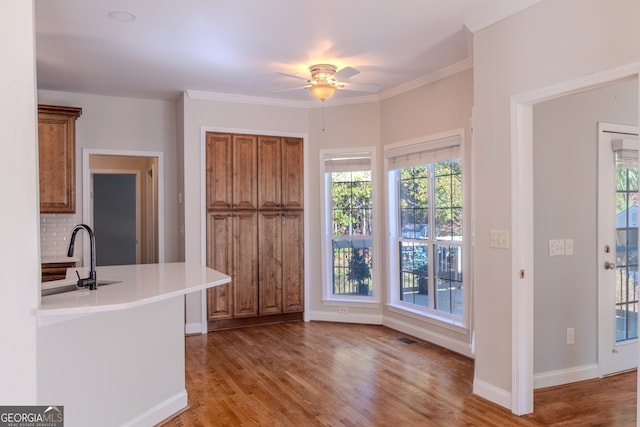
x=294, y=76
x=345, y=73
x=290, y=89
x=356, y=87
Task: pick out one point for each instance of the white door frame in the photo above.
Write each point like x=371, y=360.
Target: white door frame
x=86, y=187
x=522, y=224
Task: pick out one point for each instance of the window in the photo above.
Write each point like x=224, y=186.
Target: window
x=426, y=224
x=348, y=250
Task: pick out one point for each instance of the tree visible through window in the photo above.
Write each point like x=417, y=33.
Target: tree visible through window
x=430, y=203
x=352, y=226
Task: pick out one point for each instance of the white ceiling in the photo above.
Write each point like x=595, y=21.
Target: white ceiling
x=238, y=47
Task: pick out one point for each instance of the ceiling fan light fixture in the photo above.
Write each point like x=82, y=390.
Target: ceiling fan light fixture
x=322, y=90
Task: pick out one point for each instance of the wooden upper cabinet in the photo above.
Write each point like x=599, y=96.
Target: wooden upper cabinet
x=269, y=170
x=292, y=173
x=57, y=158
x=280, y=172
x=219, y=171
x=245, y=171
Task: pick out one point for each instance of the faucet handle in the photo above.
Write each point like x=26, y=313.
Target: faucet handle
x=88, y=282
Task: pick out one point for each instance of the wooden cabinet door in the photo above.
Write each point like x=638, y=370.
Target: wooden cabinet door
x=293, y=261
x=292, y=173
x=219, y=171
x=245, y=272
x=269, y=172
x=270, y=260
x=220, y=245
x=245, y=172
x=57, y=158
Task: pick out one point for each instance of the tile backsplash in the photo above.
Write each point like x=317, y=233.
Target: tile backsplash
x=55, y=232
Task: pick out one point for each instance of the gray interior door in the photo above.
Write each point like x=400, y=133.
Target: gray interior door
x=114, y=218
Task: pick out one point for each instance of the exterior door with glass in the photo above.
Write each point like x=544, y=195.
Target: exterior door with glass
x=617, y=247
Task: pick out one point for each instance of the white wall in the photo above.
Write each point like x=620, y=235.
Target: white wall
x=441, y=106
x=347, y=126
x=19, y=250
x=129, y=124
x=565, y=147
x=546, y=44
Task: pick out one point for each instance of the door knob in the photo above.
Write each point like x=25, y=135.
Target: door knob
x=609, y=266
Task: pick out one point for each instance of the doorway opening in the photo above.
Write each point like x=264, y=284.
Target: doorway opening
x=123, y=203
x=522, y=220
x=522, y=231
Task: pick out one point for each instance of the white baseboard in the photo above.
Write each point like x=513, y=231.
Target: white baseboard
x=193, y=328
x=428, y=335
x=565, y=376
x=492, y=393
x=326, y=316
x=160, y=412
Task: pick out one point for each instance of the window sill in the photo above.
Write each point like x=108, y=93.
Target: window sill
x=352, y=302
x=430, y=317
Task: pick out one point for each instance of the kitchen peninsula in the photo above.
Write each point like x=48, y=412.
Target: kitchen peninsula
x=115, y=356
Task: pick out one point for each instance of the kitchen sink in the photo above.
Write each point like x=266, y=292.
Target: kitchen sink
x=73, y=287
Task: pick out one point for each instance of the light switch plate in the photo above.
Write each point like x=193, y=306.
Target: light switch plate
x=556, y=247
x=568, y=246
x=499, y=239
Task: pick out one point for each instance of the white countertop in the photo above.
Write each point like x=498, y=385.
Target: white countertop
x=138, y=285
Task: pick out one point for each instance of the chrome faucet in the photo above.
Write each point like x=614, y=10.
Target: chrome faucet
x=88, y=282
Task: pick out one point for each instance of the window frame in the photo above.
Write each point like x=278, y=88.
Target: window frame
x=328, y=298
x=433, y=143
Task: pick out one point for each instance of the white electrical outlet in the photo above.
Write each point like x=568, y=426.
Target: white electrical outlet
x=568, y=246
x=343, y=310
x=556, y=247
x=571, y=336
x=499, y=239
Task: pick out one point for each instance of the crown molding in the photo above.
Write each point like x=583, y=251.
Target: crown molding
x=440, y=74
x=244, y=99
x=498, y=13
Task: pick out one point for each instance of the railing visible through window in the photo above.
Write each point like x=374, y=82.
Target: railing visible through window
x=348, y=184
x=428, y=224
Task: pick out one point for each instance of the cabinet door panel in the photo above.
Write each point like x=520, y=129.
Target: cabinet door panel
x=220, y=257
x=57, y=158
x=292, y=173
x=245, y=274
x=219, y=171
x=269, y=172
x=270, y=250
x=245, y=172
x=293, y=261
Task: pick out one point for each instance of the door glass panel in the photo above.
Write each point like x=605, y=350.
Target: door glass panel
x=626, y=253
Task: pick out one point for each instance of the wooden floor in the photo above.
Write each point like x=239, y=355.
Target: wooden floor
x=332, y=374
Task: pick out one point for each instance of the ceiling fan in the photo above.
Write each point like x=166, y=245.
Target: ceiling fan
x=325, y=81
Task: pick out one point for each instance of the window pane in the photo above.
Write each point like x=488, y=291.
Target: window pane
x=414, y=267
x=352, y=267
x=448, y=190
x=351, y=203
x=414, y=203
x=448, y=279
x=626, y=253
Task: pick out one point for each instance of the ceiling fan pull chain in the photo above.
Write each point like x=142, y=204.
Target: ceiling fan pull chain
x=323, y=115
